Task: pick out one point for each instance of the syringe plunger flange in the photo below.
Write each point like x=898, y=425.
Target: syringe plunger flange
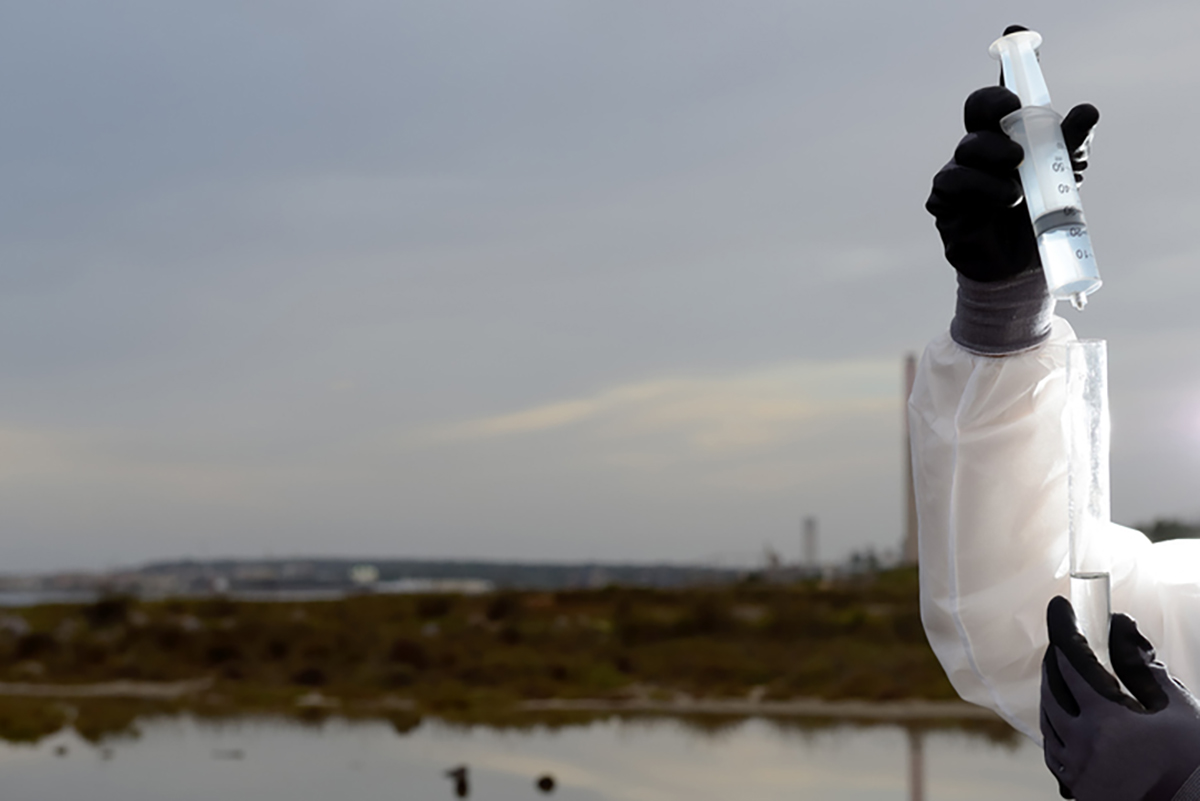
x=1017, y=53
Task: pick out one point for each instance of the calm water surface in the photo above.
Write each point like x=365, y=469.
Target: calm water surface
x=638, y=760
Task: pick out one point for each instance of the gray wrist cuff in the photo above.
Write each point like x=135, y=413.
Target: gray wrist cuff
x=1002, y=317
x=1190, y=791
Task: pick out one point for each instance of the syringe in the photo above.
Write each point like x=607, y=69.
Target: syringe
x=1046, y=173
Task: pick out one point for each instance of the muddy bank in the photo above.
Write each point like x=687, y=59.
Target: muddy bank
x=141, y=690
x=806, y=707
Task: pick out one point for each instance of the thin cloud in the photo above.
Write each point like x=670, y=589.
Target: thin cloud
x=708, y=416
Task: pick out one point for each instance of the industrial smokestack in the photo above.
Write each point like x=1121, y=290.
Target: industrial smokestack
x=908, y=553
x=809, y=542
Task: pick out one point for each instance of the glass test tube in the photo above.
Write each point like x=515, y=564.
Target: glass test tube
x=1087, y=424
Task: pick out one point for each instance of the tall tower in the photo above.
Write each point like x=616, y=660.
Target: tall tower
x=808, y=542
x=908, y=553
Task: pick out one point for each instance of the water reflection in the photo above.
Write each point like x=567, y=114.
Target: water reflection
x=462, y=782
x=916, y=765
x=638, y=759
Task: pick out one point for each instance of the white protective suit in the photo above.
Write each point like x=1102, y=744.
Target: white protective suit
x=990, y=470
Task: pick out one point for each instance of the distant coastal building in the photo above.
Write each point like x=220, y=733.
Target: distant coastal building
x=440, y=586
x=299, y=579
x=364, y=575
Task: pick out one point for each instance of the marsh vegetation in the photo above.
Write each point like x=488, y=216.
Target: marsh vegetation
x=471, y=656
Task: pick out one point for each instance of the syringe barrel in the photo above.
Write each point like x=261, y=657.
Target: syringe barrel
x=1046, y=173
x=1052, y=198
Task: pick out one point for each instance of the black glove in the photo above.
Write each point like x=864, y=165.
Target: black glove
x=1003, y=305
x=1102, y=744
x=976, y=198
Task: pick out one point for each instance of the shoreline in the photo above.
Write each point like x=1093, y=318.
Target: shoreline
x=905, y=710
x=131, y=690
x=914, y=709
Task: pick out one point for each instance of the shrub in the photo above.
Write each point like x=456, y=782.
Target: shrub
x=502, y=606
x=432, y=607
x=111, y=610
x=310, y=677
x=33, y=645
x=408, y=652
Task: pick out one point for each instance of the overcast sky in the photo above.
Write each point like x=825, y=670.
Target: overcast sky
x=532, y=279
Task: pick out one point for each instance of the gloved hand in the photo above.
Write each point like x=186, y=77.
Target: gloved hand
x=977, y=197
x=1003, y=305
x=1102, y=744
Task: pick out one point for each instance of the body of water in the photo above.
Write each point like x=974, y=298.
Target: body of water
x=184, y=759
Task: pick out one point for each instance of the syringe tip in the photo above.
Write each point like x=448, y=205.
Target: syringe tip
x=1079, y=300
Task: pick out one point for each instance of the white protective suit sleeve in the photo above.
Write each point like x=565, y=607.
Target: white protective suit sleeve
x=990, y=471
